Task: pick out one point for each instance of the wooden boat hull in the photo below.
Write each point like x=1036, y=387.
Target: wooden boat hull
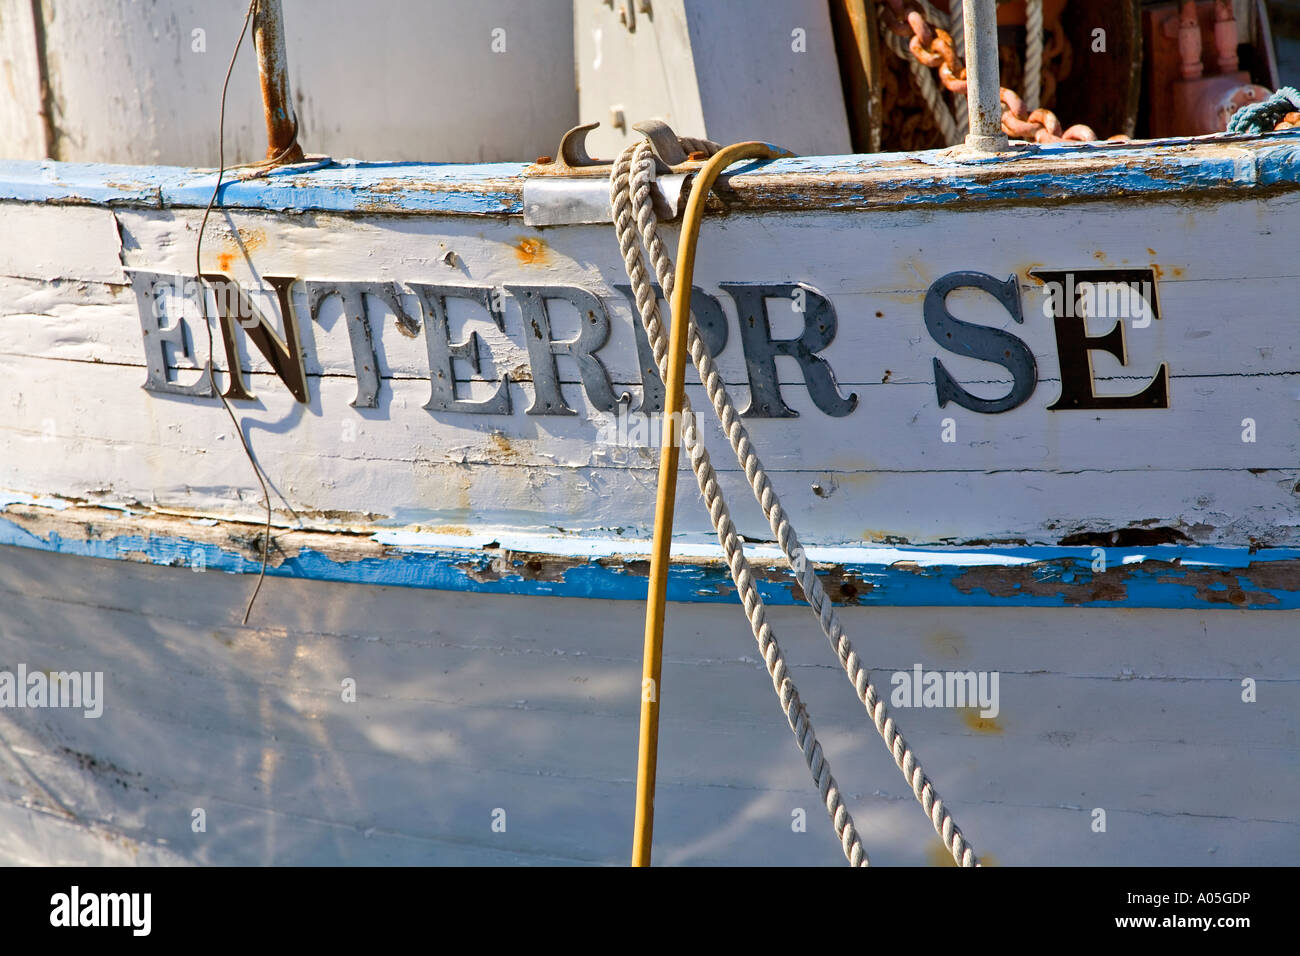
x=470, y=703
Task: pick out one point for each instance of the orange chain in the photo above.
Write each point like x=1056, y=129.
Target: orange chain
x=933, y=48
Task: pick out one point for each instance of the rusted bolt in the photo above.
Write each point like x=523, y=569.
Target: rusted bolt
x=698, y=155
x=544, y=160
x=822, y=491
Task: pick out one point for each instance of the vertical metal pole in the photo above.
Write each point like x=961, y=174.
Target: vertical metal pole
x=46, y=111
x=273, y=68
x=983, y=84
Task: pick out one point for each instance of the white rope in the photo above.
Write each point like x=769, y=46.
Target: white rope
x=623, y=192
x=630, y=183
x=1033, y=54
x=928, y=85
x=957, y=29
x=955, y=23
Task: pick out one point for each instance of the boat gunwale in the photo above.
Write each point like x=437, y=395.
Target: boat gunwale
x=1203, y=166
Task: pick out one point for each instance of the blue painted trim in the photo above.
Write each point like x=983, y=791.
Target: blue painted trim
x=1103, y=170
x=1167, y=576
x=348, y=186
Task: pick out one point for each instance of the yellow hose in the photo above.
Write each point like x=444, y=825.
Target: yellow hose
x=675, y=389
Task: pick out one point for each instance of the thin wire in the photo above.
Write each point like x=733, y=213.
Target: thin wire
x=203, y=308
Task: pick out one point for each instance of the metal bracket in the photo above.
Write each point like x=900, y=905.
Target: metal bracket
x=574, y=187
x=560, y=201
x=572, y=158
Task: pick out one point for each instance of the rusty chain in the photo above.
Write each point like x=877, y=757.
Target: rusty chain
x=933, y=48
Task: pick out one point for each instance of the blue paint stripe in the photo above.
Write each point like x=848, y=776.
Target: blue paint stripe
x=1103, y=170
x=1157, y=577
x=347, y=186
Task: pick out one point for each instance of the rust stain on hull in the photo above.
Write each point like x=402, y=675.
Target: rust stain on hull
x=1244, y=587
x=938, y=855
x=842, y=585
x=970, y=716
x=244, y=241
x=530, y=567
x=531, y=251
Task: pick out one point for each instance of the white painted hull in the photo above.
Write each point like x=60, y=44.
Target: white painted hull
x=885, y=470
x=471, y=703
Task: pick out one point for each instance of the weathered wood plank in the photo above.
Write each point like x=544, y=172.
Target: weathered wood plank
x=100, y=323
x=58, y=244
x=892, y=476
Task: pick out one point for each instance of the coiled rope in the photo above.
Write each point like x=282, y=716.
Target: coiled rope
x=1261, y=117
x=631, y=180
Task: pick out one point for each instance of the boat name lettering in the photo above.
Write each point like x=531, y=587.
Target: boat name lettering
x=169, y=307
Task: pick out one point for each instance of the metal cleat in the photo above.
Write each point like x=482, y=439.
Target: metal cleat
x=573, y=188
x=572, y=158
x=664, y=142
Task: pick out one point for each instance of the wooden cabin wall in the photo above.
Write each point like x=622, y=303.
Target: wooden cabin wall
x=442, y=80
